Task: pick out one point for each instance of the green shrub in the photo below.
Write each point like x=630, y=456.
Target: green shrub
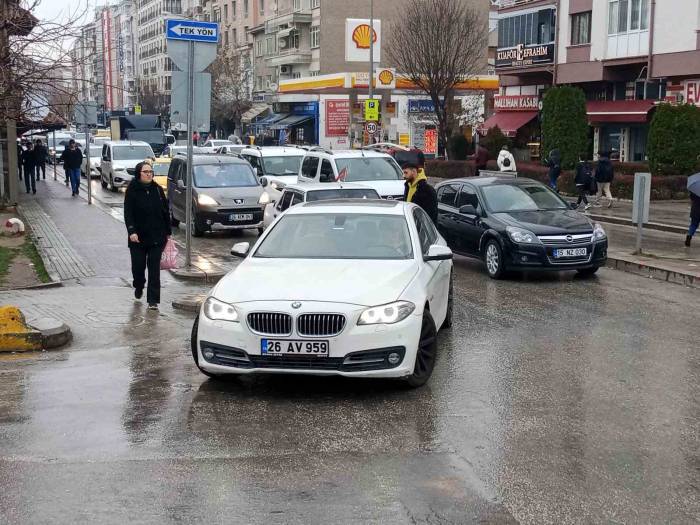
x=494, y=140
x=673, y=144
x=458, y=147
x=449, y=169
x=564, y=124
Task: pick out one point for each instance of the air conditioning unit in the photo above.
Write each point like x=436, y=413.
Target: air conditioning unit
x=285, y=70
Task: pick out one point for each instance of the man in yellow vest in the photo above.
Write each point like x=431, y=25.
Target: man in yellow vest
x=418, y=191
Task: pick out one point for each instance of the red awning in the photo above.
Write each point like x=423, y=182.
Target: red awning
x=600, y=111
x=509, y=122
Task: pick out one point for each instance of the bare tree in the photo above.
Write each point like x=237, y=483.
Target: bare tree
x=36, y=63
x=437, y=44
x=229, y=91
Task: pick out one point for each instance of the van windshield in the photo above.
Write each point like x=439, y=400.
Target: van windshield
x=224, y=176
x=132, y=152
x=287, y=165
x=368, y=169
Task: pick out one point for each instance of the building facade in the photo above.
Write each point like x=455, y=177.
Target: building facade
x=626, y=55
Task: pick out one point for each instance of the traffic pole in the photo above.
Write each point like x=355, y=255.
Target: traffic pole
x=371, y=58
x=640, y=215
x=190, y=131
x=88, y=168
x=55, y=161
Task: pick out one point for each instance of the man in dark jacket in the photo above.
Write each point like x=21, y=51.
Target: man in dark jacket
x=418, y=191
x=29, y=165
x=480, y=158
x=72, y=159
x=554, y=163
x=20, y=150
x=41, y=155
x=604, y=175
x=583, y=180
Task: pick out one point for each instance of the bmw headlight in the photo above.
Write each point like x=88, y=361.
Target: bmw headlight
x=264, y=198
x=598, y=232
x=206, y=200
x=387, y=313
x=521, y=235
x=219, y=311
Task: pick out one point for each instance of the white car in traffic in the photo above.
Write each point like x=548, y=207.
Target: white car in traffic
x=357, y=288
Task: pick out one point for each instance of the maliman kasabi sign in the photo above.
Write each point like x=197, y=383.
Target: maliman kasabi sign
x=516, y=102
x=525, y=55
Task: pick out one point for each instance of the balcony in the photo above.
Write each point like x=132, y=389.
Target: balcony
x=301, y=14
x=504, y=4
x=288, y=57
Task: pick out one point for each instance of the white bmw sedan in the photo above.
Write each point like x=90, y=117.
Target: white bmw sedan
x=346, y=287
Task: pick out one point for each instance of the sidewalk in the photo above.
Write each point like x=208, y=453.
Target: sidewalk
x=669, y=216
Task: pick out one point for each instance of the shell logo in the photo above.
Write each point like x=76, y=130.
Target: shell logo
x=386, y=77
x=361, y=36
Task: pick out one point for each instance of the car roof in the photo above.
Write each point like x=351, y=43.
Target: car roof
x=378, y=206
x=264, y=151
x=351, y=153
x=490, y=181
x=127, y=143
x=317, y=186
x=213, y=159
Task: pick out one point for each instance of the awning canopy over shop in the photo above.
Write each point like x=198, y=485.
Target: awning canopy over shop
x=291, y=120
x=509, y=122
x=253, y=112
x=271, y=119
x=618, y=111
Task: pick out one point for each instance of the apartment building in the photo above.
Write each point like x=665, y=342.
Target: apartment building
x=123, y=53
x=626, y=55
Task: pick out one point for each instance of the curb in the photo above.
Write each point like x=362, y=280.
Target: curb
x=670, y=228
x=189, y=303
x=54, y=333
x=653, y=270
x=196, y=274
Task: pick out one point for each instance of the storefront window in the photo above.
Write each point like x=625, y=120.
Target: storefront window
x=627, y=15
x=581, y=29
x=530, y=28
x=610, y=140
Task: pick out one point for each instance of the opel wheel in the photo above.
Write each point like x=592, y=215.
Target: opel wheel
x=427, y=353
x=493, y=257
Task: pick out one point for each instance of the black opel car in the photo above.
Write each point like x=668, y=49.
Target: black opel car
x=518, y=224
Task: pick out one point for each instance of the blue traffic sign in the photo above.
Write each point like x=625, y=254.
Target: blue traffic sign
x=191, y=30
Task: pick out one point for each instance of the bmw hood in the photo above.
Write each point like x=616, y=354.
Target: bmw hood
x=548, y=222
x=359, y=282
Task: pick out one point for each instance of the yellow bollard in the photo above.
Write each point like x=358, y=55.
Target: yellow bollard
x=15, y=334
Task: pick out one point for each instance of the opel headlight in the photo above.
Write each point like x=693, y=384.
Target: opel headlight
x=387, y=313
x=219, y=311
x=264, y=198
x=521, y=235
x=206, y=200
x=598, y=232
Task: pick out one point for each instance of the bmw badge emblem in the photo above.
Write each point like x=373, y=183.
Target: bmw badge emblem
x=296, y=305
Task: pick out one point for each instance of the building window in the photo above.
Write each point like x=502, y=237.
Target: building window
x=627, y=15
x=270, y=46
x=262, y=7
x=313, y=73
x=315, y=4
x=530, y=28
x=581, y=28
x=234, y=37
x=245, y=8
x=296, y=75
x=225, y=12
x=315, y=36
x=259, y=48
x=233, y=9
x=297, y=5
x=294, y=39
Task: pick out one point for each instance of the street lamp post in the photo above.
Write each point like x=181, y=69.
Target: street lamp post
x=371, y=48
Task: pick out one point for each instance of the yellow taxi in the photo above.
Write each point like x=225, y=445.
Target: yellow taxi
x=160, y=172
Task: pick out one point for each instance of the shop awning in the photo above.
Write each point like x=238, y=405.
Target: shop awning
x=253, y=112
x=271, y=119
x=509, y=122
x=618, y=111
x=291, y=120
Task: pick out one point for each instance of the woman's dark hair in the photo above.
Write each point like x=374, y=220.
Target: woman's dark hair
x=139, y=167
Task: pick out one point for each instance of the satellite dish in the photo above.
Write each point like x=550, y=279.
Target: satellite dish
x=283, y=44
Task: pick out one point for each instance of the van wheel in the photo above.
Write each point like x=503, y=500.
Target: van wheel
x=103, y=182
x=112, y=187
x=197, y=229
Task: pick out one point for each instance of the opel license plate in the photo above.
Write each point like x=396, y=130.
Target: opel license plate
x=293, y=347
x=241, y=217
x=570, y=252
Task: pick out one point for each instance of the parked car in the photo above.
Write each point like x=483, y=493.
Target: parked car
x=518, y=224
x=95, y=160
x=356, y=288
x=401, y=154
x=225, y=194
x=377, y=170
x=161, y=166
x=178, y=149
x=230, y=149
x=211, y=145
x=119, y=160
x=278, y=164
x=297, y=193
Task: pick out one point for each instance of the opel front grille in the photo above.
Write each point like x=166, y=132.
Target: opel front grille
x=320, y=324
x=270, y=323
x=566, y=240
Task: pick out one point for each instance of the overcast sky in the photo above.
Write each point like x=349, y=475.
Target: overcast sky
x=60, y=10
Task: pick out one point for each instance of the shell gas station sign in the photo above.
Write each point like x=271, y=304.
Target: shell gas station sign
x=359, y=37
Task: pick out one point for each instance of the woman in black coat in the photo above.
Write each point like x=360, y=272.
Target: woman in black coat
x=148, y=223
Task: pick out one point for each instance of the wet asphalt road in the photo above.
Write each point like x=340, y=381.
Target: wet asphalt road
x=555, y=400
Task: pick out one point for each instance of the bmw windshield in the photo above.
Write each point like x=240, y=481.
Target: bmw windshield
x=338, y=236
x=504, y=198
x=368, y=169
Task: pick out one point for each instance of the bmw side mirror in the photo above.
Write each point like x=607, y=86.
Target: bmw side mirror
x=437, y=252
x=263, y=181
x=240, y=249
x=467, y=209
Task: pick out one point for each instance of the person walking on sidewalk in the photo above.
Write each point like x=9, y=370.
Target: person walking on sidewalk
x=505, y=161
x=72, y=159
x=583, y=180
x=29, y=165
x=604, y=175
x=553, y=162
x=480, y=158
x=20, y=151
x=42, y=154
x=148, y=224
x=419, y=191
x=694, y=217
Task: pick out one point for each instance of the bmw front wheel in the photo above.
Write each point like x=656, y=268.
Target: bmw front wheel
x=427, y=353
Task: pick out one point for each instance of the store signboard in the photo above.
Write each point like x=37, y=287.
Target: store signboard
x=359, y=37
x=691, y=93
x=430, y=142
x=107, y=49
x=337, y=118
x=525, y=55
x=372, y=109
x=516, y=102
x=421, y=106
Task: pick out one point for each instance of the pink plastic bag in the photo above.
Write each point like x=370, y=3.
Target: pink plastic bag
x=168, y=260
